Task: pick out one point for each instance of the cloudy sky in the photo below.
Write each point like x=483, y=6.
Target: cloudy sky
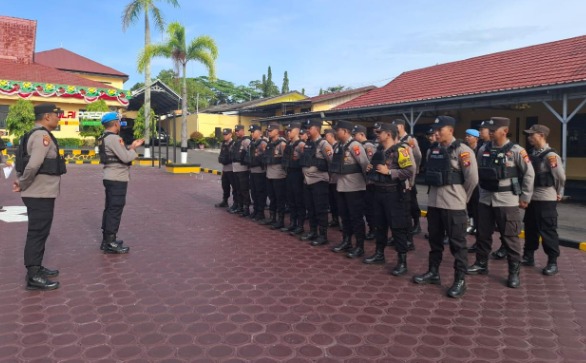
x=320, y=43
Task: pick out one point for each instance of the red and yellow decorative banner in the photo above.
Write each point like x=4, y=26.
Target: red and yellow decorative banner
x=26, y=90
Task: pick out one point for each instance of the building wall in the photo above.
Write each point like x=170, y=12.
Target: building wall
x=205, y=123
x=17, y=39
x=331, y=103
x=115, y=82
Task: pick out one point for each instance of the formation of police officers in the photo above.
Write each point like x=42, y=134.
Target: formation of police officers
x=474, y=186
x=39, y=166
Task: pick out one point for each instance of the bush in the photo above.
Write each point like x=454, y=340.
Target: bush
x=198, y=138
x=69, y=143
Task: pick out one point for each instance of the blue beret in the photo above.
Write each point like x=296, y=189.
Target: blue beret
x=473, y=132
x=110, y=116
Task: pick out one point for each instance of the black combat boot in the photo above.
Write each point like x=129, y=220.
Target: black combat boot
x=299, y=229
x=377, y=258
x=370, y=235
x=259, y=216
x=480, y=267
x=292, y=225
x=528, y=258
x=500, y=254
x=222, y=204
x=513, y=280
x=473, y=248
x=48, y=272
x=432, y=276
x=458, y=288
x=105, y=241
x=344, y=245
x=237, y=210
x=552, y=267
x=391, y=242
x=35, y=280
x=322, y=237
x=245, y=211
x=335, y=222
x=114, y=248
x=279, y=223
x=232, y=208
x=357, y=251
x=270, y=220
x=309, y=236
x=401, y=267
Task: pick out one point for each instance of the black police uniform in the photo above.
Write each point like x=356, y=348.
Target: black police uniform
x=227, y=174
x=241, y=177
x=276, y=186
x=294, y=186
x=258, y=180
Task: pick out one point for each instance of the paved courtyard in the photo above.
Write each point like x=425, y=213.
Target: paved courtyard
x=200, y=285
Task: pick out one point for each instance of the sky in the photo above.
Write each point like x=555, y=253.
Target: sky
x=320, y=43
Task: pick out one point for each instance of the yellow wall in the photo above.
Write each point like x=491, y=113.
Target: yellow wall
x=284, y=98
x=115, y=82
x=331, y=103
x=205, y=123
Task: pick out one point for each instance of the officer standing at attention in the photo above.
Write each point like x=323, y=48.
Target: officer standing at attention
x=227, y=173
x=349, y=163
x=258, y=176
x=390, y=170
x=294, y=180
x=330, y=136
x=117, y=160
x=241, y=172
x=541, y=215
x=317, y=153
x=38, y=171
x=471, y=140
x=506, y=184
x=303, y=135
x=359, y=134
x=276, y=174
x=452, y=175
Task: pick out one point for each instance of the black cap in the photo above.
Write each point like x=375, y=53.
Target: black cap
x=431, y=131
x=398, y=121
x=302, y=132
x=315, y=122
x=47, y=108
x=238, y=127
x=379, y=126
x=495, y=123
x=254, y=128
x=329, y=131
x=344, y=125
x=358, y=128
x=293, y=125
x=274, y=126
x=226, y=131
x=442, y=121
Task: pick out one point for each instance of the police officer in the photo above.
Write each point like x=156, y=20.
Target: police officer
x=506, y=184
x=38, y=170
x=117, y=160
x=541, y=214
x=390, y=170
x=294, y=180
x=452, y=175
x=241, y=172
x=471, y=139
x=227, y=173
x=303, y=135
x=276, y=174
x=317, y=153
x=330, y=136
x=258, y=176
x=349, y=162
x=359, y=134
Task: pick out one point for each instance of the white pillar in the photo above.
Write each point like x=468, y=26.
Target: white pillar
x=183, y=157
x=147, y=152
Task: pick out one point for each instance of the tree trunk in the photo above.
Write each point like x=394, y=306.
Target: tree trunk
x=147, y=89
x=184, y=115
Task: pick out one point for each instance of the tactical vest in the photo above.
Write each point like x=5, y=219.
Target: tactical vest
x=224, y=157
x=309, y=156
x=492, y=167
x=381, y=157
x=273, y=155
x=105, y=158
x=288, y=154
x=237, y=154
x=252, y=159
x=439, y=170
x=337, y=166
x=543, y=176
x=49, y=166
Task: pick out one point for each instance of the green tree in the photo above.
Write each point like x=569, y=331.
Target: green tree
x=285, y=87
x=202, y=49
x=20, y=118
x=131, y=15
x=303, y=91
x=138, y=128
x=94, y=131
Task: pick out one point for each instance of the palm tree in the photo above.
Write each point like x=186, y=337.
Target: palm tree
x=202, y=49
x=130, y=16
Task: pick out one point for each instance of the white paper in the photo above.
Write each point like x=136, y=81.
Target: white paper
x=7, y=171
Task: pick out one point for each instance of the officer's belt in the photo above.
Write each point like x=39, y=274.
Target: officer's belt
x=386, y=188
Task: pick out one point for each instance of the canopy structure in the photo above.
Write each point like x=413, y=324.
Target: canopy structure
x=163, y=99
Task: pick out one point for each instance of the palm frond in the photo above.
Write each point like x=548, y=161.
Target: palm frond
x=150, y=52
x=131, y=13
x=157, y=17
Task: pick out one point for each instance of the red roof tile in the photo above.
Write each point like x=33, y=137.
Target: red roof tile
x=43, y=74
x=546, y=64
x=66, y=60
x=329, y=96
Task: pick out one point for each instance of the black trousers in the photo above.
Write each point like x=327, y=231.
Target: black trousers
x=317, y=204
x=258, y=189
x=227, y=184
x=508, y=222
x=442, y=222
x=472, y=205
x=392, y=210
x=115, y=202
x=333, y=198
x=294, y=188
x=243, y=187
x=40, y=218
x=541, y=220
x=368, y=210
x=415, y=211
x=351, y=209
x=277, y=194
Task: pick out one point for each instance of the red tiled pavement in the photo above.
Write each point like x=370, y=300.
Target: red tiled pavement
x=200, y=285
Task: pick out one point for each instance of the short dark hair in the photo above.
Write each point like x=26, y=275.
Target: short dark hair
x=109, y=124
x=394, y=133
x=40, y=116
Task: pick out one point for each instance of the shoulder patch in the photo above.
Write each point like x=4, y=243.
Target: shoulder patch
x=329, y=150
x=411, y=142
x=553, y=161
x=524, y=155
x=121, y=142
x=465, y=157
x=404, y=158
x=370, y=151
x=46, y=140
x=356, y=149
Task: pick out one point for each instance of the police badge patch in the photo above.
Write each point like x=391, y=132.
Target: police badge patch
x=46, y=140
